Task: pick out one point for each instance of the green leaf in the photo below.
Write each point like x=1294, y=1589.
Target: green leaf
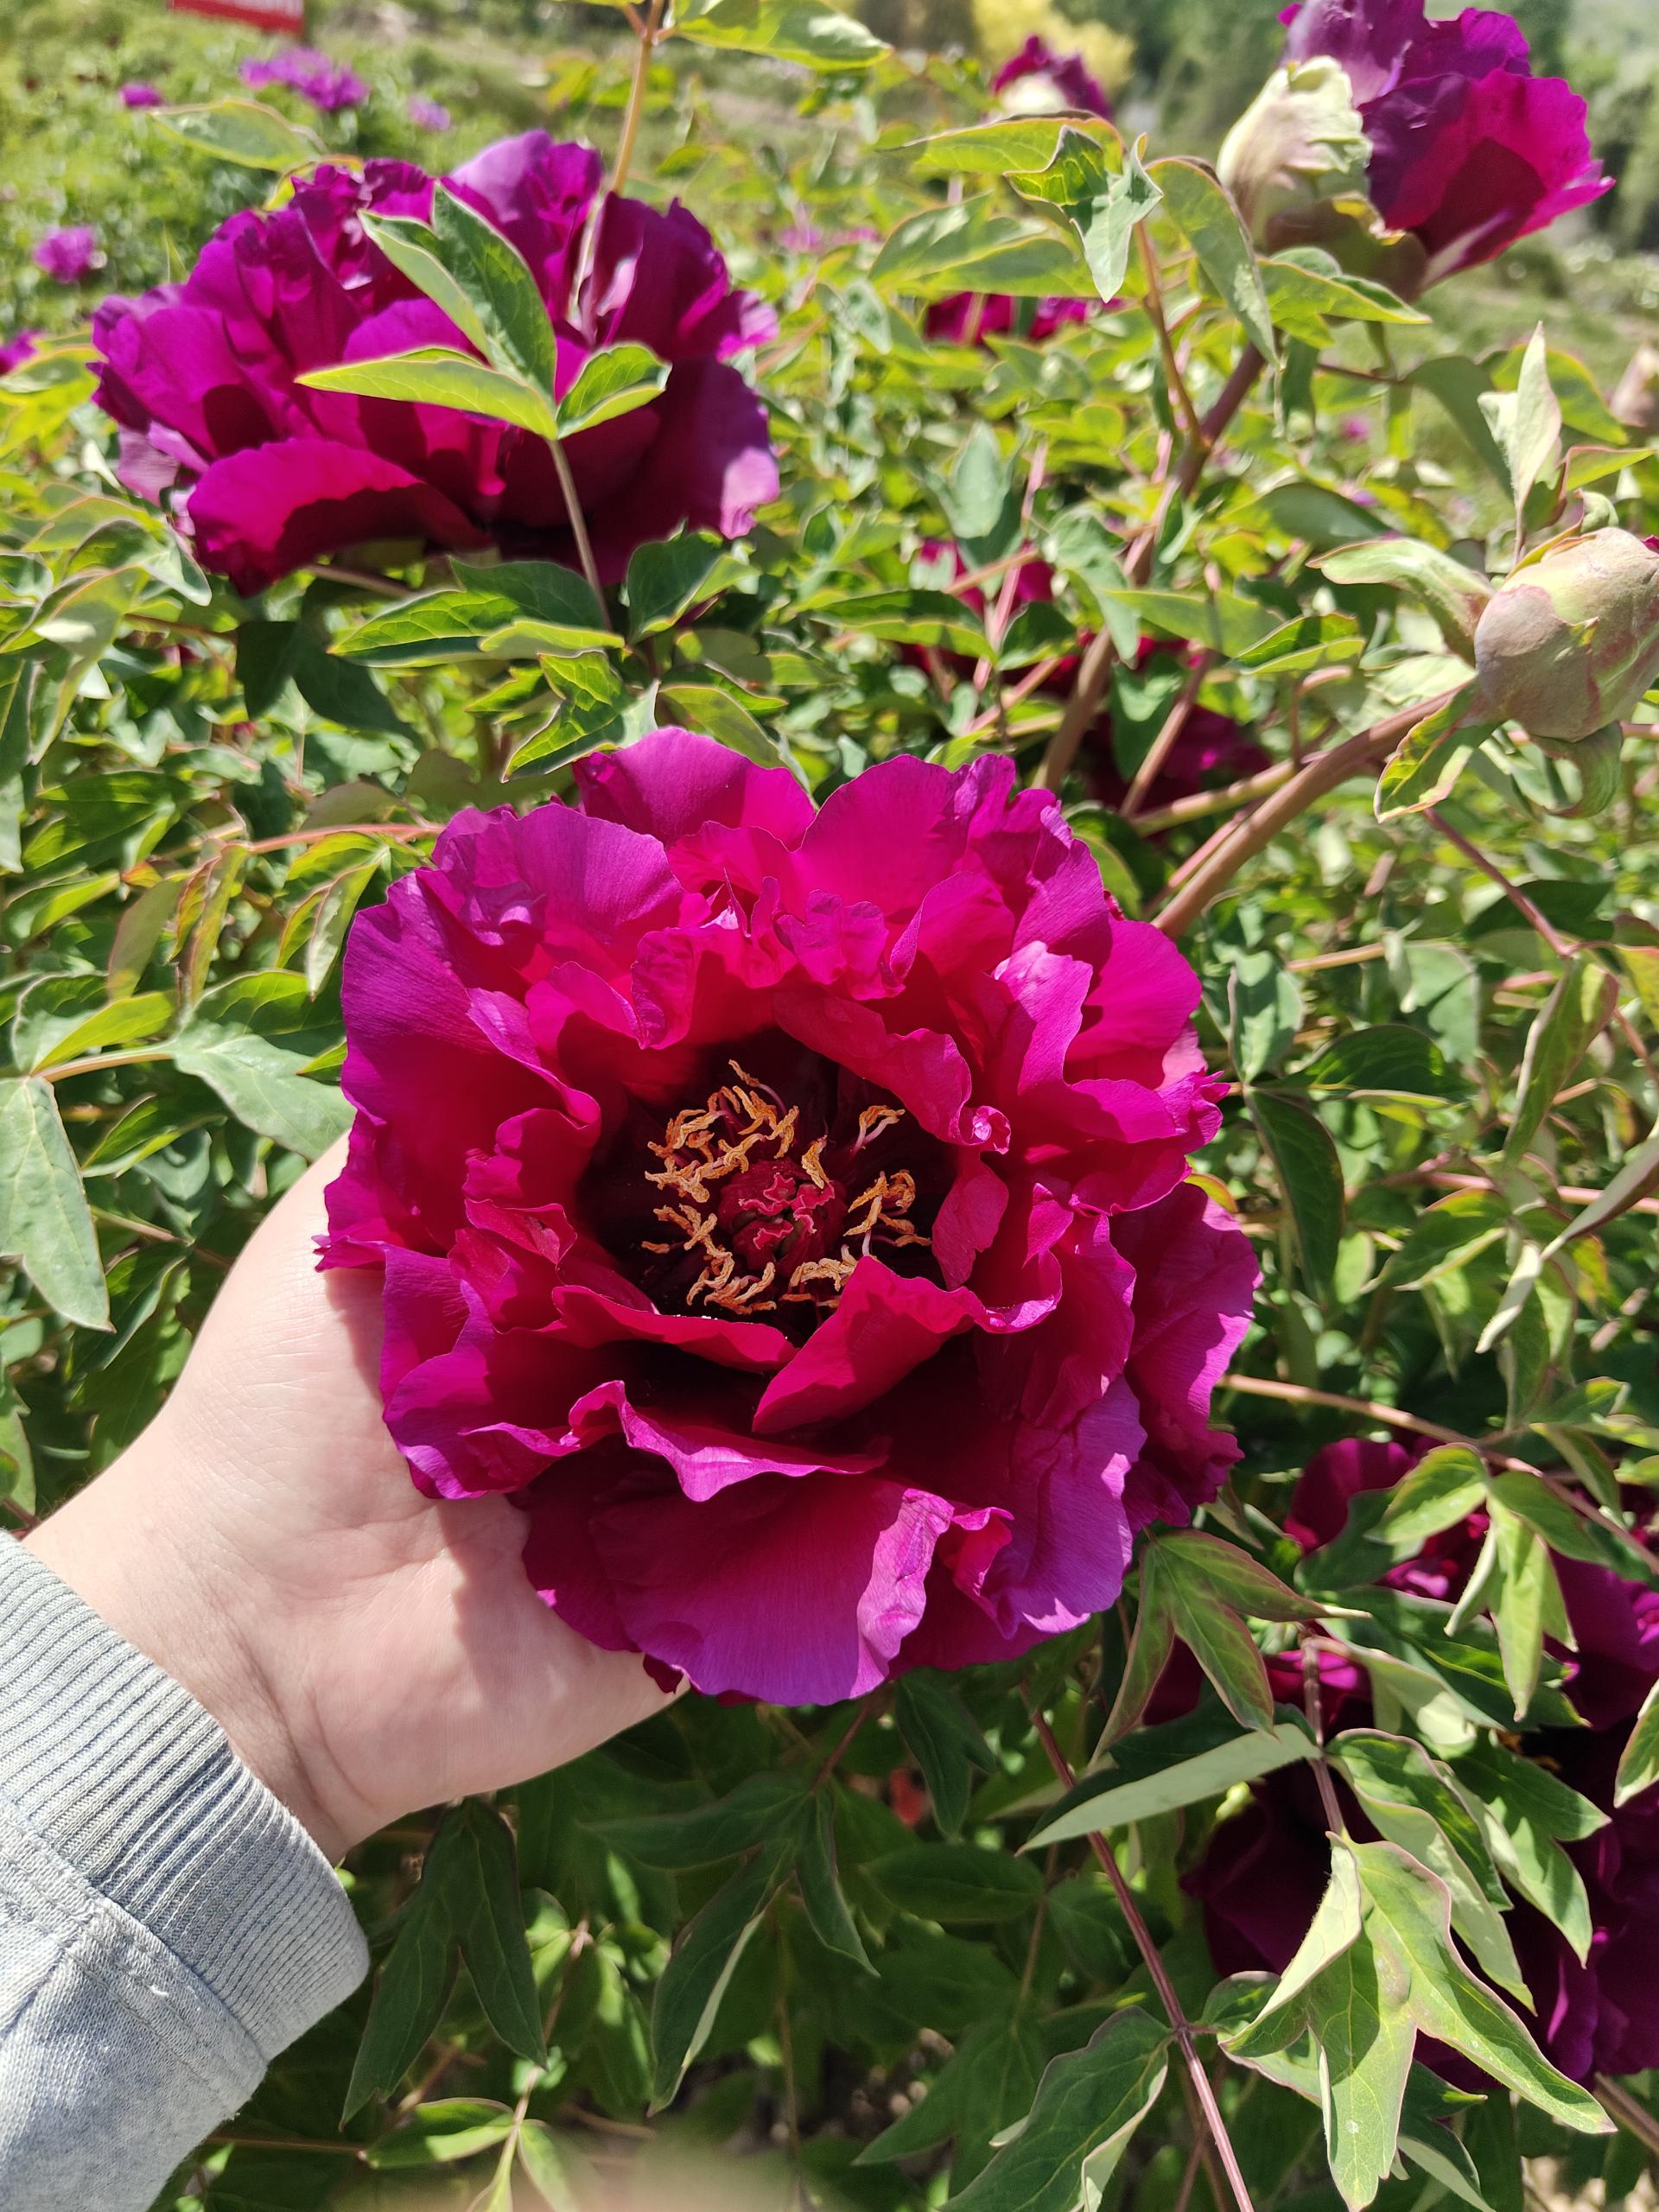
x=1386, y=1527
x=16, y=1460
x=608, y=384
x=704, y=1960
x=1008, y=147
x=447, y=2129
x=1529, y=1814
x=497, y=280
x=435, y=375
x=1390, y=1061
x=44, y=1221
x=62, y=1018
x=760, y=1806
x=786, y=30
x=1101, y=1802
x=1526, y=424
x=555, y=2169
x=408, y=2002
x=1224, y=1647
x=1310, y=1175
x=821, y=1892
x=1576, y=1535
x=1574, y=1014
x=1099, y=203
x=1455, y=596
x=1204, y=1567
x=244, y=131
x=1264, y=1011
x=410, y=245
x=1427, y=763
x=1638, y=1765
x=1413, y=1800
x=664, y=578
x=946, y=1743
x=1150, y=1646
x=957, y=1883
x=910, y=617
x=1409, y=1908
x=1088, y=2106
x=1199, y=207
x=1304, y=296
x=1305, y=643
x=473, y=1868
x=223, y=1042
x=969, y=247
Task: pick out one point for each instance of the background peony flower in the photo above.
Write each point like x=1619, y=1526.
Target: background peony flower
x=1265, y=1869
x=15, y=350
x=67, y=256
x=329, y=86
x=1469, y=150
x=142, y=95
x=1038, y=81
x=428, y=115
x=969, y=318
x=271, y=475
x=790, y=1210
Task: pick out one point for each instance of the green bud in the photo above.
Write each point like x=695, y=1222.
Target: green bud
x=1570, y=642
x=1298, y=144
x=1636, y=399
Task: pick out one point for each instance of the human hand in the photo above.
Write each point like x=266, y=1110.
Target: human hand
x=367, y=1650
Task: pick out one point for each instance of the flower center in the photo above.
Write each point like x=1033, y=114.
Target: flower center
x=775, y=1217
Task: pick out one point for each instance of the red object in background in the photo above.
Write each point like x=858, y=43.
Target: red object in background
x=285, y=16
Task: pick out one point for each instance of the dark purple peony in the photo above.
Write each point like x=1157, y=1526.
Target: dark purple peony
x=15, y=350
x=1265, y=1870
x=789, y=1208
x=1469, y=150
x=268, y=475
x=1038, y=81
x=969, y=318
x=330, y=87
x=143, y=96
x=67, y=256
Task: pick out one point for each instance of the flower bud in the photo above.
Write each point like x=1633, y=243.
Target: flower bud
x=1570, y=642
x=1299, y=143
x=1635, y=401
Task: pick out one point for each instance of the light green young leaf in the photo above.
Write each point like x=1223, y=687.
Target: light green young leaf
x=1638, y=1766
x=608, y=384
x=244, y=131
x=1427, y=763
x=1385, y=1527
x=436, y=2133
x=1526, y=424
x=1575, y=1013
x=434, y=376
x=497, y=280
x=1309, y=1173
x=1103, y=1801
x=1454, y=594
x=410, y=245
x=786, y=30
x=1527, y=1814
x=1101, y=204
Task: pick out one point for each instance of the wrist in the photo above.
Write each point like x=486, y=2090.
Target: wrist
x=133, y=1547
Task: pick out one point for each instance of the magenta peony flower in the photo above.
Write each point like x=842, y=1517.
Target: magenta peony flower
x=1038, y=80
x=67, y=256
x=789, y=1210
x=142, y=95
x=329, y=86
x=969, y=318
x=428, y=115
x=15, y=350
x=1265, y=1870
x=271, y=475
x=1469, y=151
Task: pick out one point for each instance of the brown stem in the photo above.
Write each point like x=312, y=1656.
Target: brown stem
x=577, y=520
x=1194, y=808
x=1635, y=2119
x=1302, y=1394
x=1184, y=407
x=1167, y=740
x=1096, y=664
x=1203, y=2089
x=1257, y=829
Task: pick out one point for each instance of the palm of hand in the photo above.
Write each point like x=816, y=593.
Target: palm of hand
x=368, y=1649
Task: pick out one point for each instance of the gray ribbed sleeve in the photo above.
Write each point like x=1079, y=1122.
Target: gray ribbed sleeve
x=166, y=1926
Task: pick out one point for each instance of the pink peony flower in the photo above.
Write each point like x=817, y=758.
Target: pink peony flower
x=428, y=115
x=969, y=318
x=142, y=95
x=1038, y=80
x=15, y=350
x=67, y=256
x=788, y=1209
x=271, y=475
x=329, y=86
x=1469, y=151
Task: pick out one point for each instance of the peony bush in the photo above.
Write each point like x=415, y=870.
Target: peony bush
x=948, y=815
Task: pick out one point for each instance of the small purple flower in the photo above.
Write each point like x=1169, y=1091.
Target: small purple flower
x=428, y=115
x=1039, y=80
x=143, y=96
x=66, y=255
x=329, y=86
x=1469, y=150
x=15, y=350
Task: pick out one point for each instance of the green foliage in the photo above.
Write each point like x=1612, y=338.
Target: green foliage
x=903, y=1945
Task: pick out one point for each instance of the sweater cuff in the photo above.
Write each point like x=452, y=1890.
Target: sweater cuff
x=116, y=1768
